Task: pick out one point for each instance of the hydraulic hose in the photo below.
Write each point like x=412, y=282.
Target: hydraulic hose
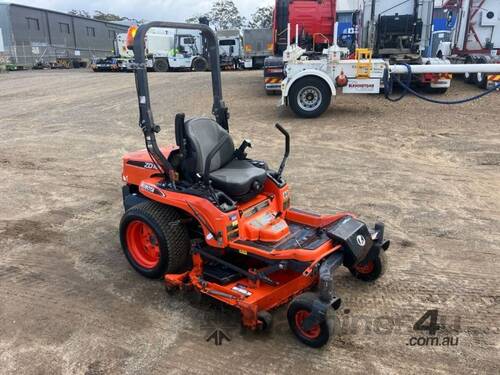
x=389, y=84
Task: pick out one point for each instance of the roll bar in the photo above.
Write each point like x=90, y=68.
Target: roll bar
x=146, y=121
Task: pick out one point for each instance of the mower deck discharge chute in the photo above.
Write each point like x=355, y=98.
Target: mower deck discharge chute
x=206, y=217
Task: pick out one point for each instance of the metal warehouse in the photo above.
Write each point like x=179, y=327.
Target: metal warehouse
x=29, y=35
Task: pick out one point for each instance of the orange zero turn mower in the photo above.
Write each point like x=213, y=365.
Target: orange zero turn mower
x=204, y=216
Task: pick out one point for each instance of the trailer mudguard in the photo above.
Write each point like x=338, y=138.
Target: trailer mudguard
x=288, y=82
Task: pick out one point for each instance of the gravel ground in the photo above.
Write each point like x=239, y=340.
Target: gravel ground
x=70, y=303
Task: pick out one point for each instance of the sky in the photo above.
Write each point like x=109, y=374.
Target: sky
x=151, y=10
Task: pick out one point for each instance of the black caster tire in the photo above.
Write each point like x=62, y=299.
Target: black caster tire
x=265, y=320
x=372, y=270
x=170, y=290
x=298, y=310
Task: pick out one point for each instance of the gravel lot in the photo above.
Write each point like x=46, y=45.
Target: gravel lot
x=70, y=303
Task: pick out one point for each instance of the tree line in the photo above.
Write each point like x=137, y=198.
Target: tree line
x=225, y=15
x=222, y=15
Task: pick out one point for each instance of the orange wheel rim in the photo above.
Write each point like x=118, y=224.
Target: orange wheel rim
x=143, y=244
x=312, y=333
x=366, y=268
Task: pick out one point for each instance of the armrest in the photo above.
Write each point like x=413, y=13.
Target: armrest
x=240, y=152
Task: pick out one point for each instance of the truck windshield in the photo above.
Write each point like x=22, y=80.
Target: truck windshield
x=229, y=42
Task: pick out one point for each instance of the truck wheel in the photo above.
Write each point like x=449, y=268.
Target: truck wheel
x=160, y=66
x=200, y=64
x=309, y=97
x=298, y=310
x=435, y=90
x=372, y=270
x=468, y=77
x=480, y=80
x=153, y=239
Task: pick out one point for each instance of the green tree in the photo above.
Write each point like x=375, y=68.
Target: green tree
x=79, y=12
x=196, y=18
x=101, y=16
x=222, y=16
x=262, y=18
x=225, y=15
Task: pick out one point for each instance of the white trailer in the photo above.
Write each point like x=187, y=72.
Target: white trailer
x=310, y=84
x=475, y=37
x=258, y=45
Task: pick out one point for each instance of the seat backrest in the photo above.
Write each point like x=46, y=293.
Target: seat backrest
x=202, y=135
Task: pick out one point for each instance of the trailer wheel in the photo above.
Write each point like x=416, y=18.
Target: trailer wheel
x=200, y=64
x=372, y=270
x=160, y=66
x=153, y=239
x=309, y=97
x=298, y=310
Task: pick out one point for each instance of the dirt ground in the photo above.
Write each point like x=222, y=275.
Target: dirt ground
x=70, y=303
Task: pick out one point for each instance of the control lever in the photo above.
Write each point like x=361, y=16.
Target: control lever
x=287, y=149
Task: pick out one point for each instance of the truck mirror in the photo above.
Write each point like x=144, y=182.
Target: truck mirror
x=355, y=18
x=449, y=19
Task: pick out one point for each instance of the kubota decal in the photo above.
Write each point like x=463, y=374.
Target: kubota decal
x=151, y=189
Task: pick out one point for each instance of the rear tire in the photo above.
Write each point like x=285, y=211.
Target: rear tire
x=161, y=66
x=309, y=97
x=153, y=239
x=200, y=64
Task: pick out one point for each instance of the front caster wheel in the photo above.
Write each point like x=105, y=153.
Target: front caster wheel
x=370, y=270
x=265, y=320
x=299, y=309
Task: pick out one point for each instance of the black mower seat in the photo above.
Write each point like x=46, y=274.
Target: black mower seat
x=239, y=179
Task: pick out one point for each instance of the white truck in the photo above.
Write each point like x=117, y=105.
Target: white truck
x=230, y=48
x=400, y=31
x=475, y=37
x=175, y=52
x=165, y=51
x=121, y=59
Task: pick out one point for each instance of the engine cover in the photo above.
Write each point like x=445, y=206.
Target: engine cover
x=354, y=237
